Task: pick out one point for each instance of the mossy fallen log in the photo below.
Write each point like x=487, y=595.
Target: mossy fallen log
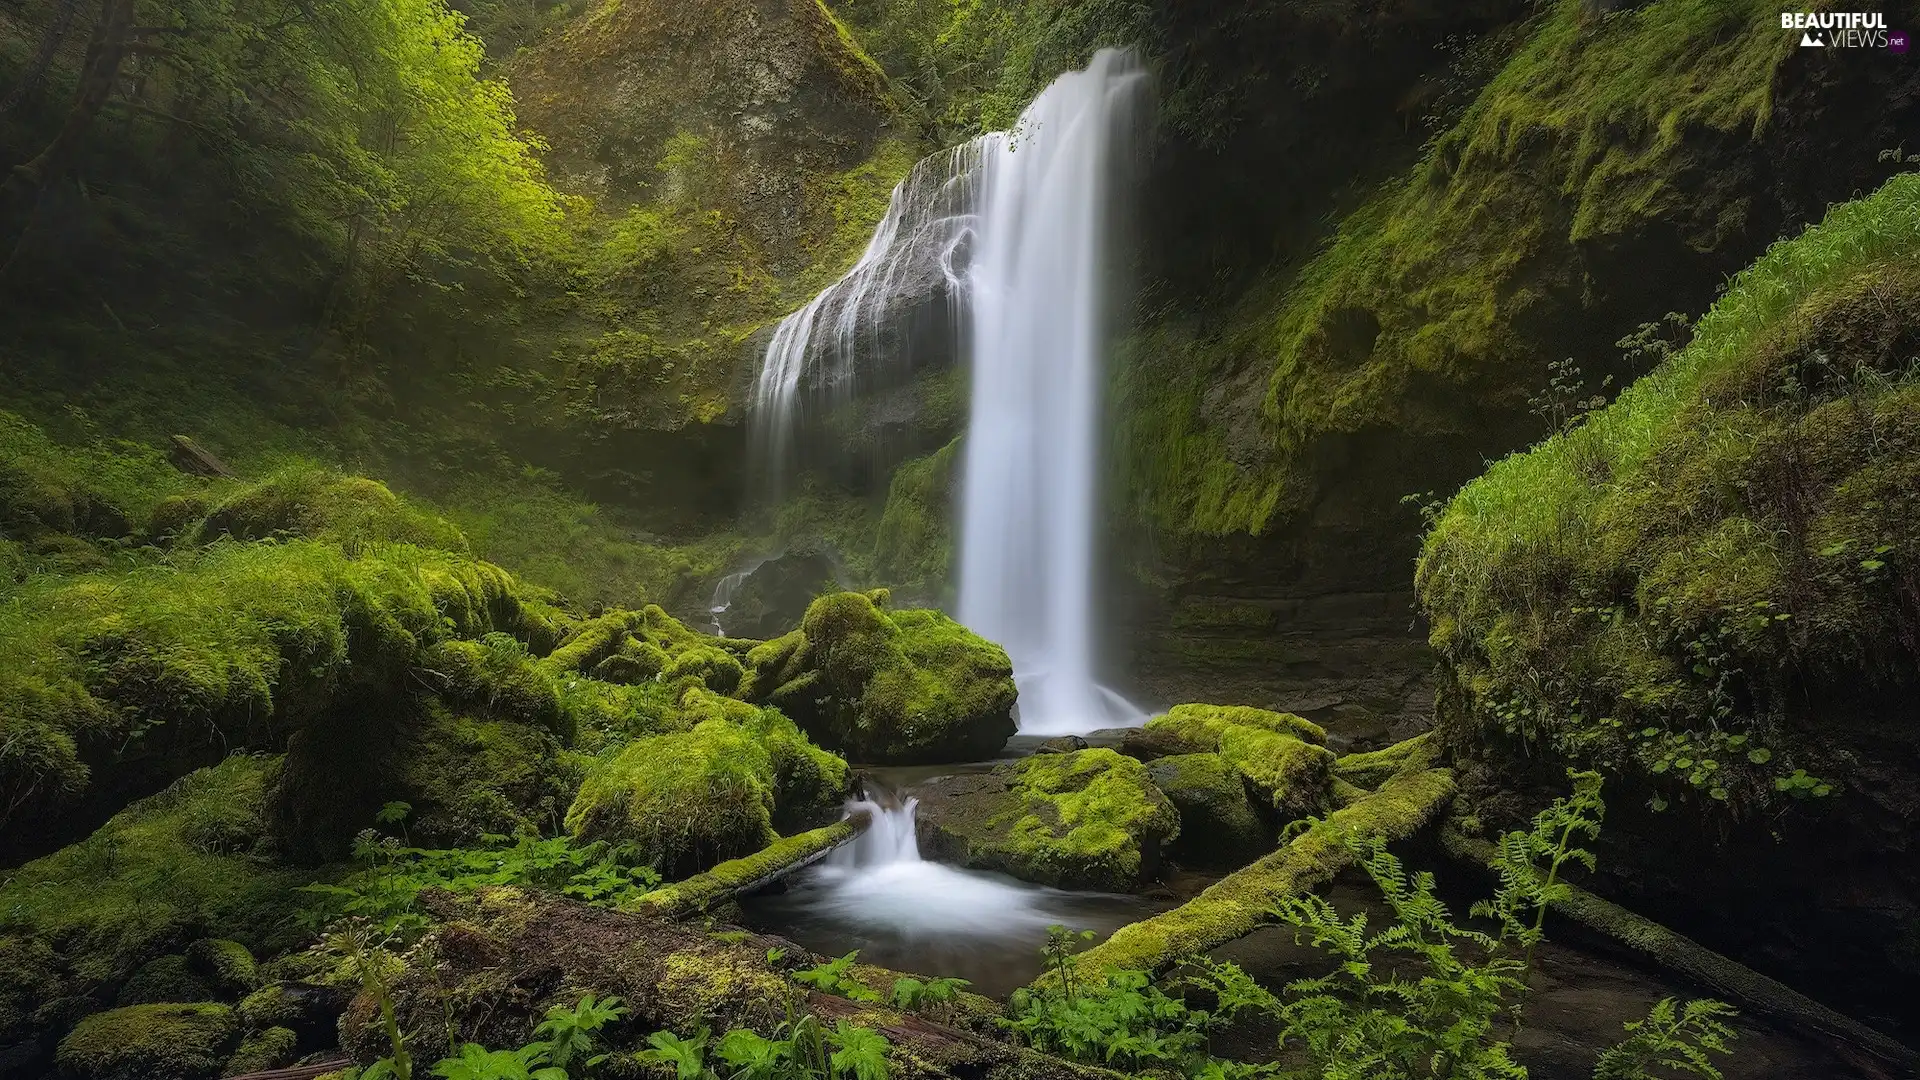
x=742, y=876
x=1725, y=978
x=1243, y=900
x=502, y=957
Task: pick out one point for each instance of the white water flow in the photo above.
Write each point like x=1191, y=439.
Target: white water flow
x=879, y=882
x=920, y=240
x=1039, y=322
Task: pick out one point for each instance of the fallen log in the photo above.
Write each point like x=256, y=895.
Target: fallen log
x=745, y=876
x=1728, y=979
x=298, y=1072
x=499, y=958
x=1243, y=900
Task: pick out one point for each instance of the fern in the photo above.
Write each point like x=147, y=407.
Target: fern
x=1675, y=1038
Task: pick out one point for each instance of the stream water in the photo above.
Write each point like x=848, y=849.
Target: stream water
x=912, y=914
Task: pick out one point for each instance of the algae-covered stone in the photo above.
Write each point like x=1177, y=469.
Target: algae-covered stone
x=149, y=1042
x=1218, y=823
x=909, y=686
x=1280, y=753
x=696, y=798
x=165, y=978
x=1087, y=819
x=228, y=965
x=268, y=1048
x=716, y=668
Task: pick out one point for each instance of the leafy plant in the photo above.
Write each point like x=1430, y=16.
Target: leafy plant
x=1058, y=950
x=687, y=1057
x=568, y=1033
x=476, y=1062
x=1671, y=1037
x=914, y=994
x=835, y=977
x=800, y=1050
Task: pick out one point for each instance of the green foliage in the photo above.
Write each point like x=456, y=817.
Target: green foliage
x=385, y=892
x=801, y=1049
x=150, y=1042
x=915, y=995
x=1121, y=1020
x=836, y=977
x=568, y=1033
x=1670, y=1038
x=1658, y=589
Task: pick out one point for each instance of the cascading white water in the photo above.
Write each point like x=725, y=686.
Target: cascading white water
x=879, y=881
x=1014, y=228
x=1039, y=323
x=914, y=250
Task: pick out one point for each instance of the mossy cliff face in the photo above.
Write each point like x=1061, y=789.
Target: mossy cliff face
x=1707, y=590
x=887, y=687
x=1086, y=819
x=1611, y=169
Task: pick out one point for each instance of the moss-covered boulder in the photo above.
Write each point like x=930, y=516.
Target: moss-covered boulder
x=166, y=978
x=115, y=911
x=1281, y=754
x=887, y=687
x=267, y=1048
x=1088, y=819
x=690, y=800
x=1219, y=824
x=315, y=503
x=150, y=1042
x=714, y=668
x=227, y=965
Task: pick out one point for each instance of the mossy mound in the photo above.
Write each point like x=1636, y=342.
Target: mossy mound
x=267, y=1048
x=112, y=684
x=1088, y=819
x=715, y=668
x=306, y=502
x=116, y=910
x=165, y=978
x=227, y=965
x=1280, y=753
x=1219, y=825
x=149, y=1042
x=497, y=678
x=1705, y=591
x=689, y=800
x=1713, y=567
x=888, y=687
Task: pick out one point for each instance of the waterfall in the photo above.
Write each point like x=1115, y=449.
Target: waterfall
x=1039, y=343
x=723, y=592
x=1012, y=228
x=918, y=250
x=889, y=837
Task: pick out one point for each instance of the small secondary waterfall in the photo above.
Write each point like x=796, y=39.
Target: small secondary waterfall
x=1013, y=229
x=1039, y=321
x=889, y=837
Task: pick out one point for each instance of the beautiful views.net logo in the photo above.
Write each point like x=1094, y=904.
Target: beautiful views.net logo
x=1843, y=30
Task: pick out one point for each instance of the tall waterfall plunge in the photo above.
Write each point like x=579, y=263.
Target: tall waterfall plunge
x=1014, y=230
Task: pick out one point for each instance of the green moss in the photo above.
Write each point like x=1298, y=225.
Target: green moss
x=1371, y=769
x=496, y=677
x=1596, y=132
x=913, y=546
x=267, y=1007
x=715, y=668
x=1087, y=819
x=164, y=871
x=1244, y=900
x=690, y=800
x=1280, y=753
x=1682, y=576
x=160, y=669
x=149, y=1042
x=165, y=978
x=315, y=503
x=227, y=964
x=96, y=488
x=268, y=1048
x=1218, y=824
x=888, y=687
x=703, y=891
